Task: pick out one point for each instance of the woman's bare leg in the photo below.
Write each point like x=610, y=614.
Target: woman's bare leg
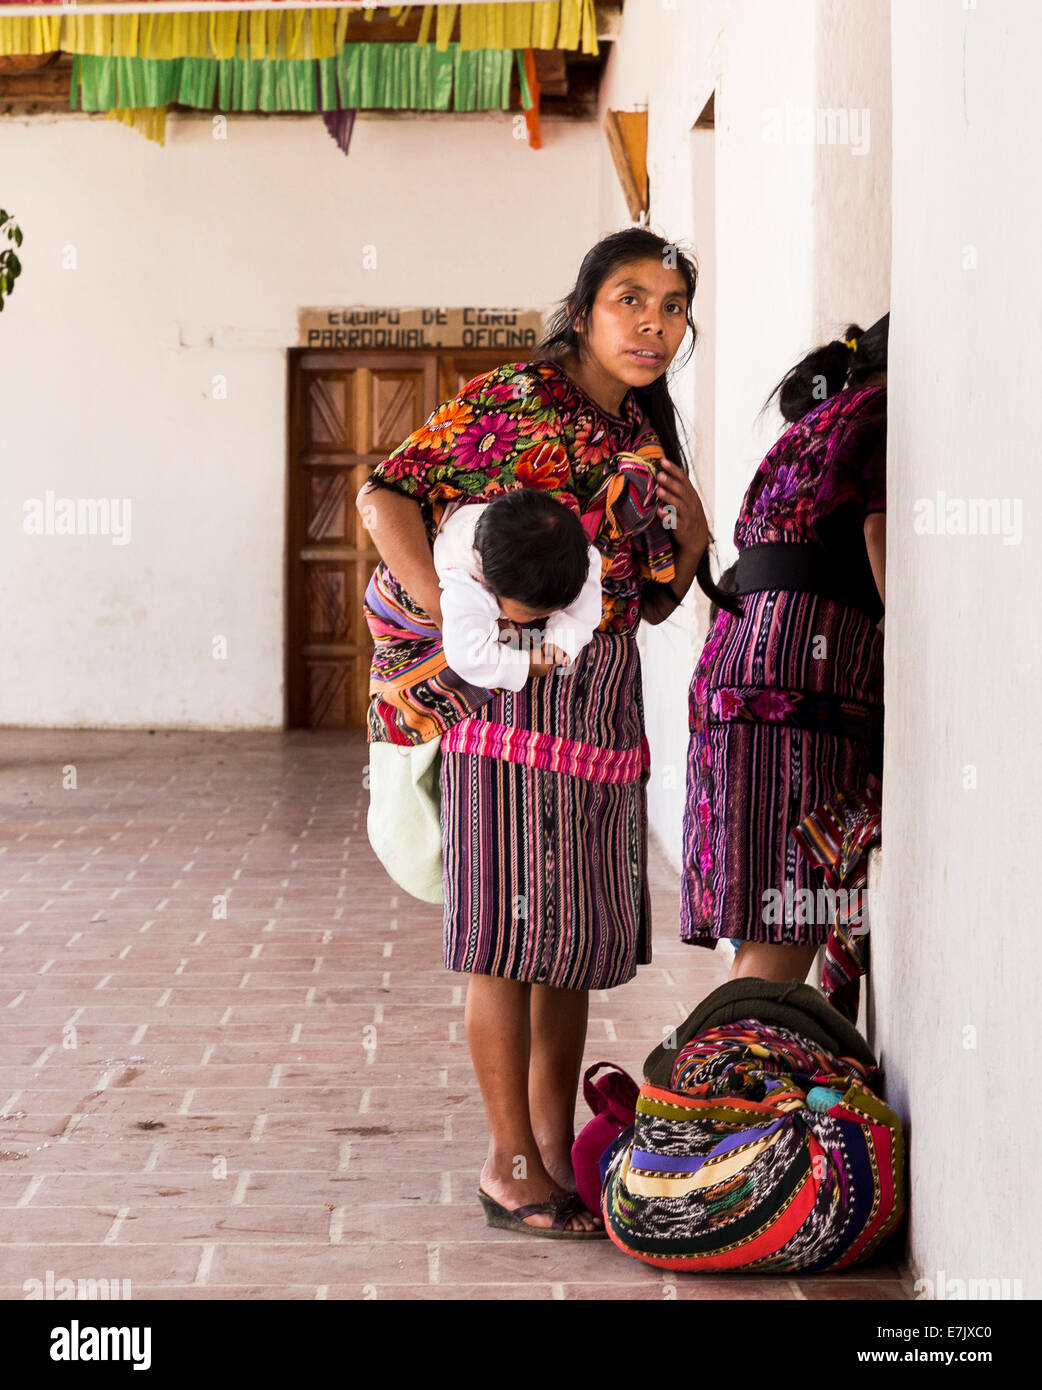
x=558, y=1019
x=771, y=962
x=498, y=1032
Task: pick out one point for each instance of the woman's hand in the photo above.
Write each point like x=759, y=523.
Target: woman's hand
x=541, y=658
x=681, y=510
x=549, y=657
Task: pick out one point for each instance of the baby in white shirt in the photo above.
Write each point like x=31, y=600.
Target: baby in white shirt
x=524, y=557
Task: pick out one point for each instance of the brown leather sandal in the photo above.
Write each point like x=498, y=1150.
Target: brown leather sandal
x=561, y=1206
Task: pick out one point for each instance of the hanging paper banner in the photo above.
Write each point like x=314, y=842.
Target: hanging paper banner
x=360, y=76
x=279, y=33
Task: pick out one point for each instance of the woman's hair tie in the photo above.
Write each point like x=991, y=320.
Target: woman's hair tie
x=850, y=343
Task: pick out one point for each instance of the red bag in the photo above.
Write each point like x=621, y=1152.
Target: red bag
x=613, y=1100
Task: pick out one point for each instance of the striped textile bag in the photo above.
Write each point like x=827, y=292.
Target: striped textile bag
x=837, y=837
x=767, y=1154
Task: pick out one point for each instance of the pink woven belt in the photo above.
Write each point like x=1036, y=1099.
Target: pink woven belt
x=547, y=751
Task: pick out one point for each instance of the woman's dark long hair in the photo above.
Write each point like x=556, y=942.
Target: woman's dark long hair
x=832, y=368
x=609, y=254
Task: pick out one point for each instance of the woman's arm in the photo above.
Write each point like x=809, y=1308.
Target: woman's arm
x=875, y=544
x=680, y=504
x=396, y=525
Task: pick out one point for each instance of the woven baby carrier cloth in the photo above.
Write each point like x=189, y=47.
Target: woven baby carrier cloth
x=760, y=1144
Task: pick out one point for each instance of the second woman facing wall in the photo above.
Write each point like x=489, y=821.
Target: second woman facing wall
x=786, y=703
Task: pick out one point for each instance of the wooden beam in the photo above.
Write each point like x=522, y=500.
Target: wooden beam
x=707, y=116
x=627, y=133
x=25, y=62
x=609, y=19
x=551, y=71
x=32, y=92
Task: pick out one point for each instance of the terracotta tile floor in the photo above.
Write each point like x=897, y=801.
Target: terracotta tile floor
x=194, y=940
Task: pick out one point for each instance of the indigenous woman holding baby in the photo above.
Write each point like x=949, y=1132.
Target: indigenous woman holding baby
x=543, y=786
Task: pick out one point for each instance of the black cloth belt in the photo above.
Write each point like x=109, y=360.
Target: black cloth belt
x=811, y=569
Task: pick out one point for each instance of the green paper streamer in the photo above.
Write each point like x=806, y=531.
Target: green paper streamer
x=362, y=75
x=526, y=91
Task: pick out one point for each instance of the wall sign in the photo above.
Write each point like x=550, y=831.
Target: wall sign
x=363, y=327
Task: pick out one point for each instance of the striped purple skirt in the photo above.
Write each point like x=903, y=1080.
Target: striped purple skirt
x=544, y=827
x=785, y=710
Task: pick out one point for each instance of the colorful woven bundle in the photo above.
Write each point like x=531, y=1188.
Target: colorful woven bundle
x=627, y=505
x=739, y=1058
x=767, y=1154
x=837, y=837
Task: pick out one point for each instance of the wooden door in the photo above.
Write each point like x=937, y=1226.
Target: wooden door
x=347, y=412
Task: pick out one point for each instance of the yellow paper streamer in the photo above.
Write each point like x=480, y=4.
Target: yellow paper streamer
x=481, y=26
x=296, y=20
x=323, y=34
x=517, y=27
x=546, y=16
x=446, y=21
x=149, y=120
x=571, y=18
x=257, y=39
x=126, y=38
x=224, y=34
x=589, y=40
x=273, y=26
x=275, y=33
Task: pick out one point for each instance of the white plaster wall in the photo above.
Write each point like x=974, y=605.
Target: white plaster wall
x=956, y=976
x=191, y=262
x=852, y=189
x=802, y=243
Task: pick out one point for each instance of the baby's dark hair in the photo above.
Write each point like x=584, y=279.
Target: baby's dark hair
x=533, y=550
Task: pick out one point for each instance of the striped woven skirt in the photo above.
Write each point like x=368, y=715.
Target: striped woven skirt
x=544, y=827
x=785, y=712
